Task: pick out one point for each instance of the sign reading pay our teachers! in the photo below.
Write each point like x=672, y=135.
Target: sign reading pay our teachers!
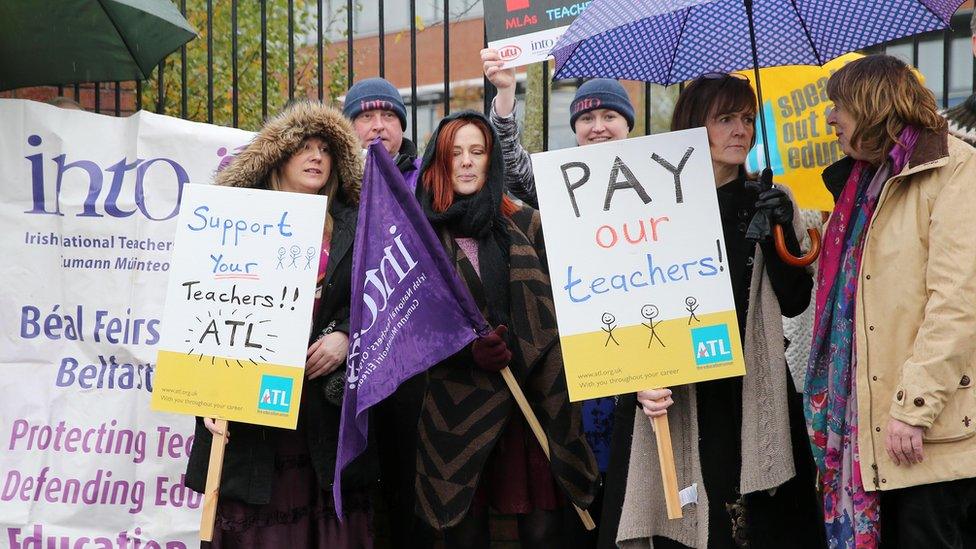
x=239, y=305
x=638, y=266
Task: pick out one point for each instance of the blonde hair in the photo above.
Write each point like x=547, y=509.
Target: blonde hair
x=330, y=188
x=883, y=96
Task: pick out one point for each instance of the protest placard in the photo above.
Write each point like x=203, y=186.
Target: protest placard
x=239, y=304
x=523, y=31
x=638, y=264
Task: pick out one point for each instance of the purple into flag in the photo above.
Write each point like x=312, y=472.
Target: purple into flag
x=409, y=308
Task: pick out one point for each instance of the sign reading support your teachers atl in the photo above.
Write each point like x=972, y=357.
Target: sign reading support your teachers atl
x=638, y=264
x=239, y=305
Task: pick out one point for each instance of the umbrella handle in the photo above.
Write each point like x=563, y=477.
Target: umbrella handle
x=790, y=259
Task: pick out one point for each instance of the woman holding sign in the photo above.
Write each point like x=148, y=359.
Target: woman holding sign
x=890, y=391
x=276, y=485
x=756, y=491
x=474, y=449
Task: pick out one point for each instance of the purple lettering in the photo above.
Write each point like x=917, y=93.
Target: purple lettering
x=182, y=178
x=111, y=201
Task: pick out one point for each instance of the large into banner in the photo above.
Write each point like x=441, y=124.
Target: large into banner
x=523, y=31
x=239, y=304
x=88, y=206
x=638, y=264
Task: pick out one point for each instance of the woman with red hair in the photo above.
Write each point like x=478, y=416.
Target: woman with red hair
x=473, y=448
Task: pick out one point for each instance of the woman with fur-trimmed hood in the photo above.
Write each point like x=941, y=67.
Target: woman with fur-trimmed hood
x=277, y=483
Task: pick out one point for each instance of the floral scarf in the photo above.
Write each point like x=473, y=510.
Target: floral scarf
x=851, y=513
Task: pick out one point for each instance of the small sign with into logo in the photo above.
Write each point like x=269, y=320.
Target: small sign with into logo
x=711, y=345
x=275, y=394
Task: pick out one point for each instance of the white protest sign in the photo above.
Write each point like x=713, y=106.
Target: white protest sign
x=239, y=304
x=524, y=31
x=636, y=255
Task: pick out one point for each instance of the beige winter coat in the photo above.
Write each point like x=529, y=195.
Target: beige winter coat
x=915, y=316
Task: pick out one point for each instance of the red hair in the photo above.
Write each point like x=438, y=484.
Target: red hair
x=437, y=178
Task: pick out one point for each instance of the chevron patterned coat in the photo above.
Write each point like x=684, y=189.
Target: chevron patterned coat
x=465, y=409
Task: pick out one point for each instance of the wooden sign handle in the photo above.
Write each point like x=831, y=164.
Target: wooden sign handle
x=665, y=456
x=540, y=435
x=212, y=491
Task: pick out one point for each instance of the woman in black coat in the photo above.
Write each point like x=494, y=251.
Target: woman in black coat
x=276, y=485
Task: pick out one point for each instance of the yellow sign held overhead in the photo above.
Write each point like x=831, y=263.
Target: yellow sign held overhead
x=801, y=143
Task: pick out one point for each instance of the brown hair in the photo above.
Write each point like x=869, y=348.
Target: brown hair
x=330, y=188
x=437, y=178
x=707, y=97
x=882, y=96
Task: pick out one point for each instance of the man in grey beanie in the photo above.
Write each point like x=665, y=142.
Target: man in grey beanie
x=376, y=110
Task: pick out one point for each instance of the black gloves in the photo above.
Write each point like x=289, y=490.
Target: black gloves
x=772, y=208
x=777, y=204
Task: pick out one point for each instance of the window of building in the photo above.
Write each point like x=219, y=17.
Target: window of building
x=936, y=67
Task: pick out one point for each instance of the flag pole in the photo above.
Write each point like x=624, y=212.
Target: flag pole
x=540, y=435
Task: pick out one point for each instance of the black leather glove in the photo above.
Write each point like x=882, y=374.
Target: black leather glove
x=778, y=206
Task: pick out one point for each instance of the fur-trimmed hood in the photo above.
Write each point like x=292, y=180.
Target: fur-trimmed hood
x=281, y=136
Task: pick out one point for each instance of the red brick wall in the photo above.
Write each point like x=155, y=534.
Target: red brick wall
x=467, y=39
x=127, y=105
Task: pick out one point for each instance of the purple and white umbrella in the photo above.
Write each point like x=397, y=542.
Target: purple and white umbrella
x=670, y=41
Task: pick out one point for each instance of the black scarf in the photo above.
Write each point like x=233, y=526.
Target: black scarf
x=405, y=157
x=477, y=216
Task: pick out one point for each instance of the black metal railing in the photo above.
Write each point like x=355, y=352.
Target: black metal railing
x=317, y=23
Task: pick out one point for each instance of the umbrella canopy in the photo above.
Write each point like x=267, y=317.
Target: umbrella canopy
x=53, y=42
x=670, y=41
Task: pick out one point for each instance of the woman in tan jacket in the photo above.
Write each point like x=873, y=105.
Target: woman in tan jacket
x=890, y=402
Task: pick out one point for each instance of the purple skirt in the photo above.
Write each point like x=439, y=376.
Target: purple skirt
x=299, y=515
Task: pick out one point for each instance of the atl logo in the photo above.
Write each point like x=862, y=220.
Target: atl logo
x=515, y=5
x=275, y=394
x=711, y=345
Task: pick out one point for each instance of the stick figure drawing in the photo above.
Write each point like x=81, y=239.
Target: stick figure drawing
x=691, y=305
x=281, y=257
x=650, y=312
x=609, y=320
